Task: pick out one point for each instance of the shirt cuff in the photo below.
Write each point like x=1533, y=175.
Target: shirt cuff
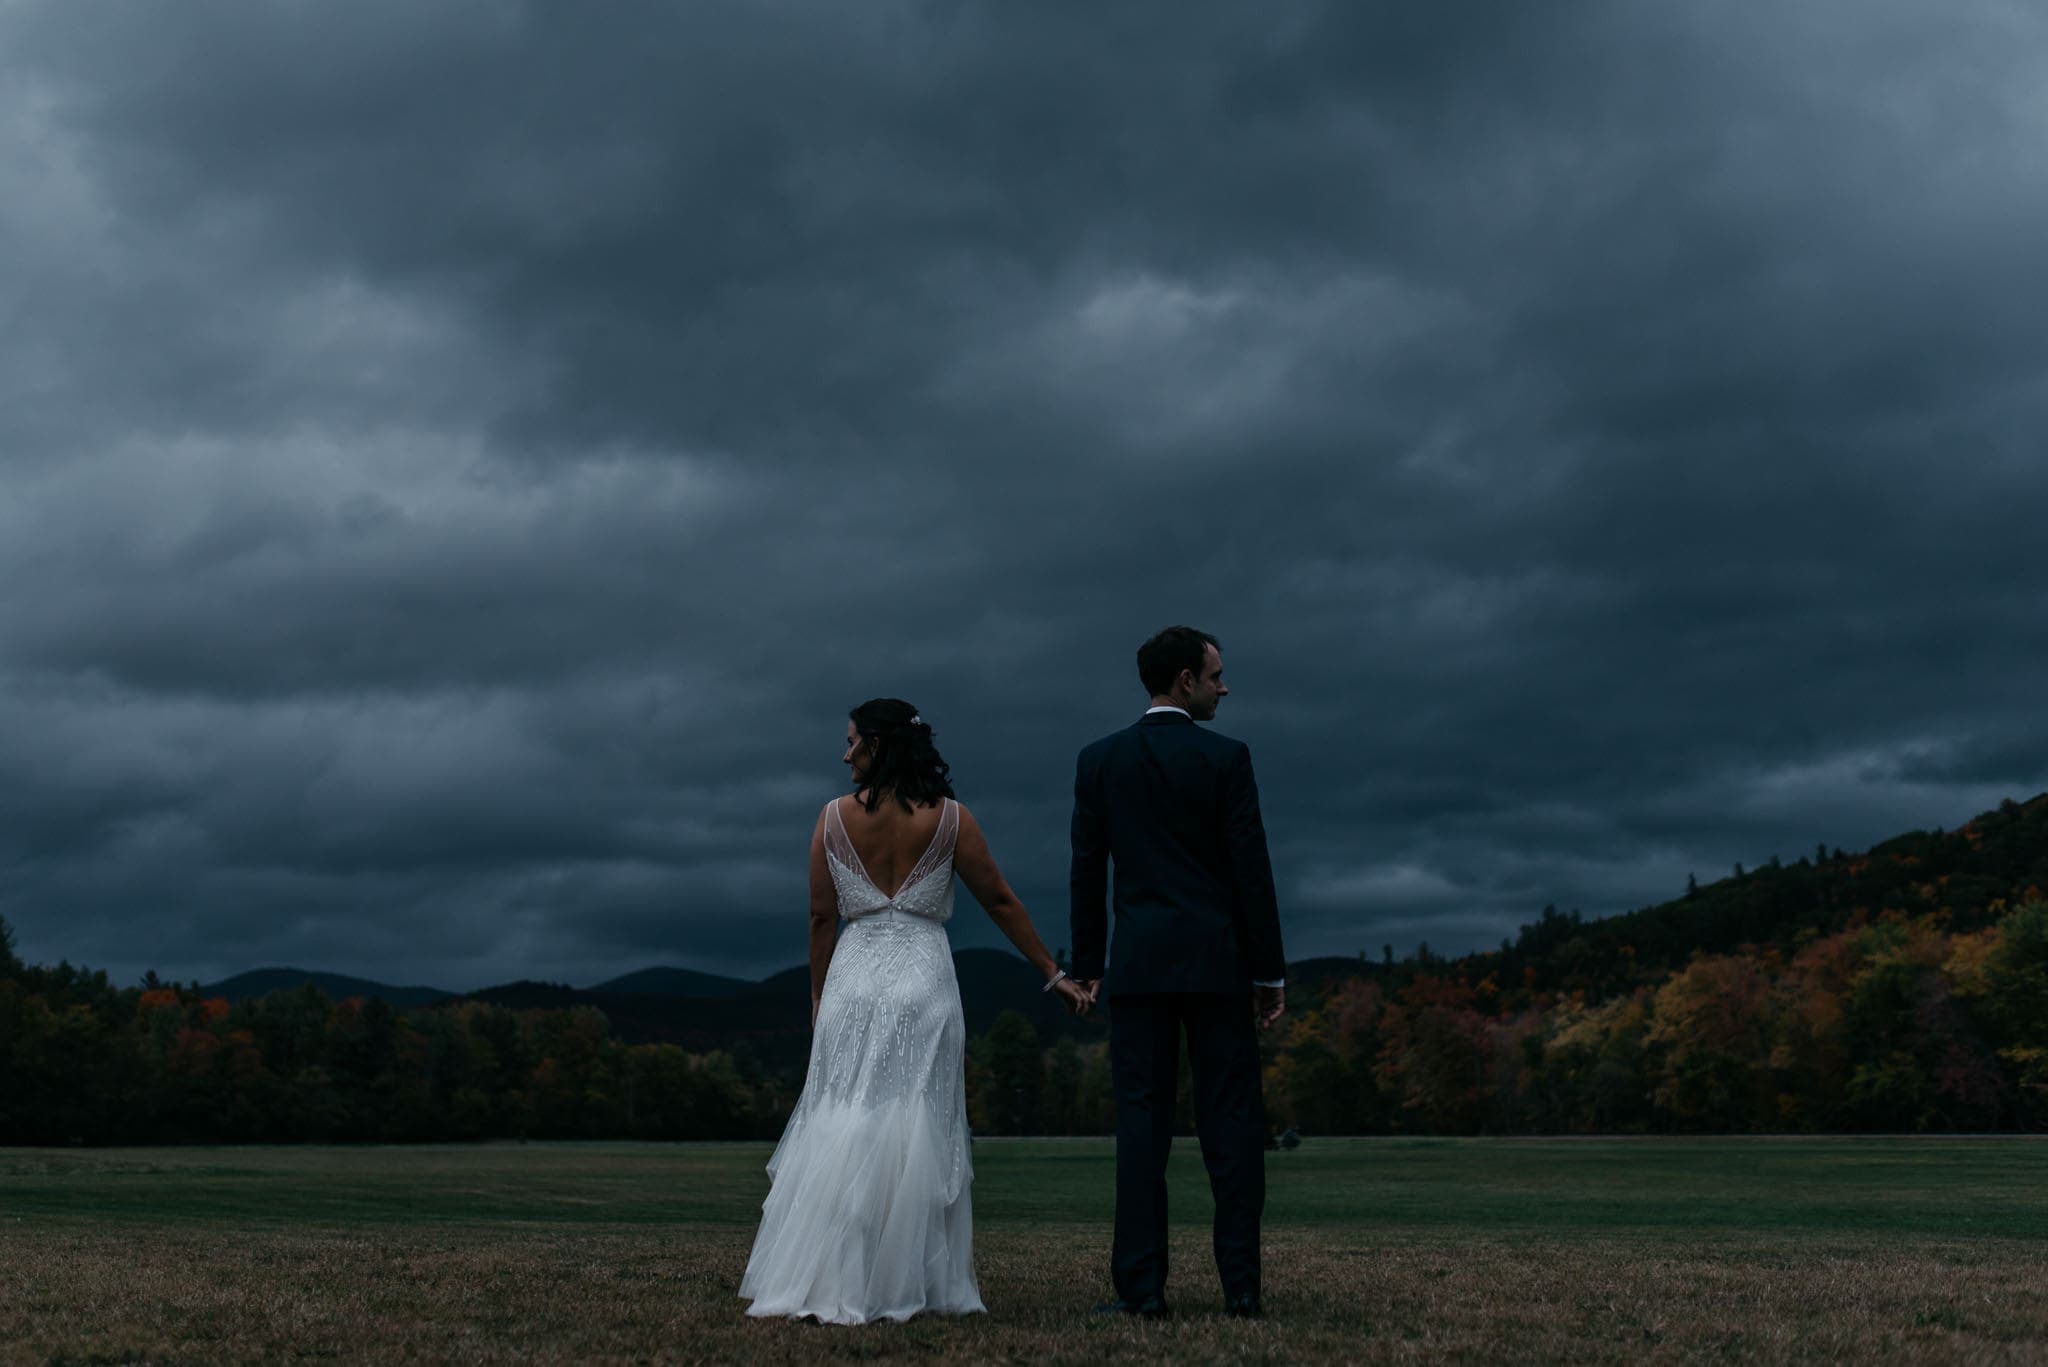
x=1277, y=982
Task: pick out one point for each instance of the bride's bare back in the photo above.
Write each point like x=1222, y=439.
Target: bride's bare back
x=889, y=840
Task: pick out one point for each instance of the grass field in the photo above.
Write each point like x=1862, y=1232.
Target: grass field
x=1881, y=1250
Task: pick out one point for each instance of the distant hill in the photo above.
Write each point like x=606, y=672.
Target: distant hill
x=675, y=982
x=1307, y=975
x=261, y=982
x=771, y=1020
x=1996, y=859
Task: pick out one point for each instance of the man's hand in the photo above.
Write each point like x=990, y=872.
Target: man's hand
x=1267, y=1004
x=1093, y=987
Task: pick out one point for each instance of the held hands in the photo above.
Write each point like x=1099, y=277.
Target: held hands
x=1079, y=997
x=1267, y=1004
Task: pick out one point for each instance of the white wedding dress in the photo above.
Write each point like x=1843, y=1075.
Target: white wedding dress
x=868, y=1215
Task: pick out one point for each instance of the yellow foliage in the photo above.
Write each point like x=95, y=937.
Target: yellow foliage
x=1584, y=1028
x=1714, y=1001
x=1968, y=966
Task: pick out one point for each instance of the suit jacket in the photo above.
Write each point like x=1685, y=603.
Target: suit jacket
x=1175, y=808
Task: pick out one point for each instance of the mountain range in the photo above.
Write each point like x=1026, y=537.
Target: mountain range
x=660, y=982
x=261, y=982
x=698, y=1011
x=1968, y=876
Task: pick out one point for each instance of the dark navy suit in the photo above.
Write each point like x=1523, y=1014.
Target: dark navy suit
x=1175, y=810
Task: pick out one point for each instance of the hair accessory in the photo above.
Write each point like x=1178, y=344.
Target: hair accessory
x=916, y=720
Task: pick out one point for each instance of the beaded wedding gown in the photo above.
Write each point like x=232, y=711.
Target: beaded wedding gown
x=868, y=1214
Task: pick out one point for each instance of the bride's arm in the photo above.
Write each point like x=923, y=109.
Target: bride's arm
x=977, y=869
x=824, y=916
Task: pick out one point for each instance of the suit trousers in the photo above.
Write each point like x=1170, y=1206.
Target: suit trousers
x=1145, y=1031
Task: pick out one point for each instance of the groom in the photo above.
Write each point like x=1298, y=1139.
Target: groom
x=1196, y=951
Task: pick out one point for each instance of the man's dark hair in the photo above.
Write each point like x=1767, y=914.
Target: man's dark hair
x=1161, y=659
x=905, y=764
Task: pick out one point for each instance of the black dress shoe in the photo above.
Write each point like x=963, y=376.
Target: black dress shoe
x=1147, y=1308
x=1243, y=1306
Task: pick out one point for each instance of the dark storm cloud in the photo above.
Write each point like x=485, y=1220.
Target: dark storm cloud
x=461, y=461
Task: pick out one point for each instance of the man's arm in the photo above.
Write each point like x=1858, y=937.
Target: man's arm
x=1251, y=873
x=1088, y=880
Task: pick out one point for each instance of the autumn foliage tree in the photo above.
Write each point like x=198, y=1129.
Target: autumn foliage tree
x=1902, y=989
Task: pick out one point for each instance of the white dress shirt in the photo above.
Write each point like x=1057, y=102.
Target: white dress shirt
x=1169, y=707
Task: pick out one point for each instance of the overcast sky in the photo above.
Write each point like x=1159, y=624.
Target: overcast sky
x=460, y=462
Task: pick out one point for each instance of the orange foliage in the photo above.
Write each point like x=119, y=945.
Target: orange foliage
x=192, y=1051
x=1828, y=964
x=1354, y=1015
x=1429, y=990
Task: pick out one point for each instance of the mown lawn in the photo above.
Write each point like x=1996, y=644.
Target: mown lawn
x=1885, y=1250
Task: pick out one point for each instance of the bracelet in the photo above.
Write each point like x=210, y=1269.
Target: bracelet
x=1053, y=981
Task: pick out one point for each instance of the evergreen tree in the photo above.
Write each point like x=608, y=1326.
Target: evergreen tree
x=1016, y=1076
x=1063, y=1088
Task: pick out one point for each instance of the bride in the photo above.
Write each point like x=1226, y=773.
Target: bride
x=868, y=1215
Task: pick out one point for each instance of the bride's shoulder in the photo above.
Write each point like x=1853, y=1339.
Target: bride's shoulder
x=936, y=813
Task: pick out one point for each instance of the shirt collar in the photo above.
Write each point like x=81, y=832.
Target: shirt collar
x=1168, y=707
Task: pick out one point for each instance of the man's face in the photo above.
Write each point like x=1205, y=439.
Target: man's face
x=1208, y=688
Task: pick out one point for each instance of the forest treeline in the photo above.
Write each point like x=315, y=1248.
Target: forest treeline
x=1903, y=989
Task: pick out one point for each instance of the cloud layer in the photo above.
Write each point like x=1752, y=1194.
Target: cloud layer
x=459, y=463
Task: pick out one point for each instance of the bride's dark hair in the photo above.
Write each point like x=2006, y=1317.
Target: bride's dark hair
x=902, y=761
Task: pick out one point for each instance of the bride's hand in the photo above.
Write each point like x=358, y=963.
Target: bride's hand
x=814, y=1015
x=1077, y=1000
